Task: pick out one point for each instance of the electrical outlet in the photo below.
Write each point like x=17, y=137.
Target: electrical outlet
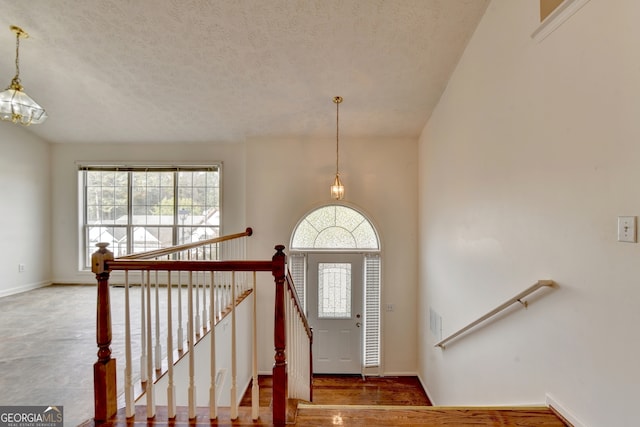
x=21, y=268
x=389, y=307
x=627, y=229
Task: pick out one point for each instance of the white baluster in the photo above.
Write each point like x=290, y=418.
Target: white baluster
x=143, y=331
x=255, y=388
x=158, y=353
x=204, y=301
x=234, y=373
x=128, y=382
x=213, y=404
x=150, y=392
x=191, y=338
x=289, y=341
x=171, y=388
x=197, y=309
x=180, y=330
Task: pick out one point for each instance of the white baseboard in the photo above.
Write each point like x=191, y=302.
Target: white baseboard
x=399, y=374
x=426, y=390
x=23, y=288
x=563, y=411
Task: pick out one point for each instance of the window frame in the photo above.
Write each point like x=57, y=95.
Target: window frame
x=84, y=240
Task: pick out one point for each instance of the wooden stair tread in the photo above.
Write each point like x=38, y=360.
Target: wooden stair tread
x=309, y=414
x=392, y=415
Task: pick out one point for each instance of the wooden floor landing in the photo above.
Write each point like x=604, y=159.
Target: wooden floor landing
x=351, y=401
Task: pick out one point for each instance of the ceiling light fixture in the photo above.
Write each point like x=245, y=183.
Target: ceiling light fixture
x=15, y=105
x=337, y=189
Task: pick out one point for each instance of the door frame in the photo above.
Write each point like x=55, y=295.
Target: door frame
x=355, y=323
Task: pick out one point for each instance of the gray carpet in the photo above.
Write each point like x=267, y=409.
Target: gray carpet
x=48, y=346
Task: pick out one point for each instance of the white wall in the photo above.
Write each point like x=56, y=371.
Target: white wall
x=26, y=210
x=287, y=178
x=525, y=165
x=269, y=184
x=202, y=363
x=66, y=229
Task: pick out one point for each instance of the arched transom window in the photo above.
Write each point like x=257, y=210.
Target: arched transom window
x=335, y=227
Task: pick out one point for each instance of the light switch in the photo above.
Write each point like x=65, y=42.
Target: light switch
x=627, y=229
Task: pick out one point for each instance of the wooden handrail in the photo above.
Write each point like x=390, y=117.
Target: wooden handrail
x=183, y=265
x=292, y=291
x=179, y=248
x=517, y=298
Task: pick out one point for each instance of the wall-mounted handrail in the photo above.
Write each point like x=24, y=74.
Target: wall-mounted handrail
x=517, y=298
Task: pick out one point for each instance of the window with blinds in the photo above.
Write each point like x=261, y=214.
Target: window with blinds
x=372, y=310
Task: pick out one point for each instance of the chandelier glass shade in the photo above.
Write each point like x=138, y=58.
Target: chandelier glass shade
x=337, y=189
x=15, y=105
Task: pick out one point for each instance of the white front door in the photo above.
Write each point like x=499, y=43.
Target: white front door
x=335, y=312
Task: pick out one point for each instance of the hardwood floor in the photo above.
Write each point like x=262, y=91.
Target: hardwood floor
x=426, y=417
x=50, y=361
x=351, y=401
x=353, y=390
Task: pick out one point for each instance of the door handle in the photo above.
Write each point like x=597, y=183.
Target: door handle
x=358, y=324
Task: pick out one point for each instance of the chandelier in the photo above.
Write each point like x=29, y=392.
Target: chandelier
x=15, y=105
x=337, y=189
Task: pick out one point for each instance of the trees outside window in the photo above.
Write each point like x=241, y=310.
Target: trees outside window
x=136, y=209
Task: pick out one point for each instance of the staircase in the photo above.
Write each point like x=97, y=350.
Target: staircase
x=174, y=378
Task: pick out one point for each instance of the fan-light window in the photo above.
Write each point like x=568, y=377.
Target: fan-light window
x=335, y=227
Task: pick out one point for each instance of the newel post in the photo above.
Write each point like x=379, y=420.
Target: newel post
x=104, y=370
x=280, y=385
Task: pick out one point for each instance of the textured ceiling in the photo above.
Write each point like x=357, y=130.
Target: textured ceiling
x=134, y=71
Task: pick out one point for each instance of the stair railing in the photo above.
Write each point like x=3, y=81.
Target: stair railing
x=300, y=337
x=224, y=282
x=518, y=298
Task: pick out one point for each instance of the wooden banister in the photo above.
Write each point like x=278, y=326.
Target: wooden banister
x=182, y=265
x=280, y=385
x=179, y=248
x=103, y=263
x=104, y=370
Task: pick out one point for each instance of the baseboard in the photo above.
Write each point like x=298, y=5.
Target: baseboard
x=24, y=288
x=399, y=374
x=562, y=411
x=426, y=390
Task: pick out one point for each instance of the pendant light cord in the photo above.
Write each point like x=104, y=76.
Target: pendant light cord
x=15, y=82
x=17, y=56
x=337, y=136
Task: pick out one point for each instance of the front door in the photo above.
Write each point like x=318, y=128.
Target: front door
x=335, y=312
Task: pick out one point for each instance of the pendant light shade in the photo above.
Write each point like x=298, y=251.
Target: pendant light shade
x=337, y=189
x=16, y=105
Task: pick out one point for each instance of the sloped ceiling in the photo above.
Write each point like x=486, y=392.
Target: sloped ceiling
x=141, y=71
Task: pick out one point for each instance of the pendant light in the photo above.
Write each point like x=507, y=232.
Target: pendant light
x=15, y=105
x=337, y=189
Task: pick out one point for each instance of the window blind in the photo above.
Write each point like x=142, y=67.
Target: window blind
x=372, y=310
